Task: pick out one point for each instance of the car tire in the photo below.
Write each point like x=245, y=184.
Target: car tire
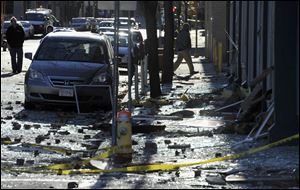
x=28, y=105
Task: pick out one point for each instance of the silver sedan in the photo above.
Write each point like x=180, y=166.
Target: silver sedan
x=68, y=68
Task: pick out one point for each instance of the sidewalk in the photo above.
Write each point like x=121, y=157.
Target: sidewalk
x=194, y=137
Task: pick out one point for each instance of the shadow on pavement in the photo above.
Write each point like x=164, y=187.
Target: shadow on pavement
x=6, y=75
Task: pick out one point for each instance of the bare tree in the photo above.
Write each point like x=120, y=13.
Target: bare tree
x=150, y=8
x=167, y=67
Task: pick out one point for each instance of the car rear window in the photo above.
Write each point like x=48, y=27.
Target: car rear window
x=72, y=50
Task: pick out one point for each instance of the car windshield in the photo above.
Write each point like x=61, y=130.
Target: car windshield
x=136, y=37
x=34, y=16
x=123, y=40
x=106, y=24
x=79, y=20
x=72, y=50
x=124, y=23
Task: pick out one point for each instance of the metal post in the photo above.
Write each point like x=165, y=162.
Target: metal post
x=196, y=35
x=145, y=70
x=136, y=82
x=185, y=11
x=144, y=74
x=214, y=53
x=116, y=76
x=94, y=9
x=142, y=77
x=129, y=64
x=220, y=56
x=197, y=27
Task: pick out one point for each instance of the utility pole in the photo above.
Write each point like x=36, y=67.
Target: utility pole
x=185, y=11
x=178, y=16
x=150, y=8
x=167, y=67
x=94, y=8
x=116, y=76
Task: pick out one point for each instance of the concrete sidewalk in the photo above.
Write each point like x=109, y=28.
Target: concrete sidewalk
x=194, y=138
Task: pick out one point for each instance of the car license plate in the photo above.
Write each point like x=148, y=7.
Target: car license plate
x=66, y=92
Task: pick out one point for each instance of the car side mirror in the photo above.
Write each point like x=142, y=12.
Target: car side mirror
x=28, y=56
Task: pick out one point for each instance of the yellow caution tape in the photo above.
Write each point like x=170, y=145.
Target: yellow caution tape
x=106, y=154
x=8, y=142
x=110, y=151
x=167, y=167
x=162, y=166
x=51, y=148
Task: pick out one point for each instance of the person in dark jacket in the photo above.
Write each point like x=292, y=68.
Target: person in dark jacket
x=15, y=38
x=183, y=47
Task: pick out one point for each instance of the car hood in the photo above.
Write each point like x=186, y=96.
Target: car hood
x=68, y=68
x=33, y=22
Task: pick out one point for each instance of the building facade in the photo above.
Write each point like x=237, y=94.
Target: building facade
x=215, y=27
x=265, y=34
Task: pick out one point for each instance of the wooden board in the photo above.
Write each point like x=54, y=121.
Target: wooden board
x=206, y=123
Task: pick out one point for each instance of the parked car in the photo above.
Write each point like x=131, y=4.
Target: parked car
x=4, y=28
x=123, y=47
x=105, y=29
x=94, y=24
x=65, y=60
x=124, y=23
x=3, y=41
x=107, y=23
x=80, y=24
x=41, y=19
x=28, y=28
x=136, y=35
x=137, y=43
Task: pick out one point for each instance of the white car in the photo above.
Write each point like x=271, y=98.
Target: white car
x=28, y=29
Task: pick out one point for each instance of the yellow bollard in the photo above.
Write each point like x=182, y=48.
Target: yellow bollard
x=124, y=132
x=220, y=56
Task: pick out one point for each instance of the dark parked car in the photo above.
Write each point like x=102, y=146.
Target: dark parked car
x=67, y=66
x=137, y=45
x=81, y=24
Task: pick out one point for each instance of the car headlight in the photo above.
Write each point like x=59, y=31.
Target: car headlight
x=101, y=78
x=33, y=74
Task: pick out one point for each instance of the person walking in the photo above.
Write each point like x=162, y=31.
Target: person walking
x=15, y=38
x=183, y=47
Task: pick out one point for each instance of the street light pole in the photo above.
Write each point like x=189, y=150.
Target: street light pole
x=116, y=75
x=185, y=11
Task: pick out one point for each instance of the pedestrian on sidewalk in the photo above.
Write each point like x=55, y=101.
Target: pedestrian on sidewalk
x=15, y=38
x=183, y=47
